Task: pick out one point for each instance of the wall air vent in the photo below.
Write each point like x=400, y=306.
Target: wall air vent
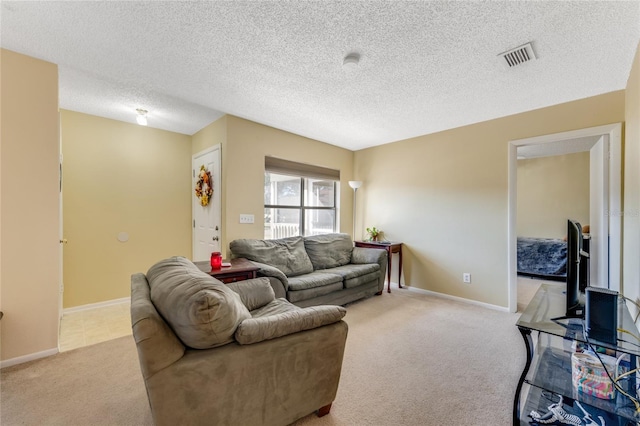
x=518, y=56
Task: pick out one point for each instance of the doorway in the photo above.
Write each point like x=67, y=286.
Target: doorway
x=207, y=212
x=610, y=182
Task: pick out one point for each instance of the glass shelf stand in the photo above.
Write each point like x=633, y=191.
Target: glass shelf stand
x=547, y=372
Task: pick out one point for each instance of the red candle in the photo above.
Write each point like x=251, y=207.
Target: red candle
x=216, y=260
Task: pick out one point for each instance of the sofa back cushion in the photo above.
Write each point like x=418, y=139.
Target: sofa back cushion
x=201, y=310
x=286, y=254
x=329, y=250
x=254, y=293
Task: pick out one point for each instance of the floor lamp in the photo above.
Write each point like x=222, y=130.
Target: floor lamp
x=355, y=184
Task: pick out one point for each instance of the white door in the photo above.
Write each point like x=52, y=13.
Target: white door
x=62, y=242
x=598, y=219
x=207, y=218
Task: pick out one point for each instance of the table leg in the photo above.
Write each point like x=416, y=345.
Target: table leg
x=526, y=335
x=400, y=266
x=389, y=269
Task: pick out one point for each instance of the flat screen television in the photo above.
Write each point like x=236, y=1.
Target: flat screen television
x=575, y=255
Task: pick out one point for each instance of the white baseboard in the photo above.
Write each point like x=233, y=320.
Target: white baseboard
x=27, y=358
x=458, y=299
x=97, y=305
x=49, y=352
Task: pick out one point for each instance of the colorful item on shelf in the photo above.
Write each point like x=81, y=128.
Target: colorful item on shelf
x=590, y=377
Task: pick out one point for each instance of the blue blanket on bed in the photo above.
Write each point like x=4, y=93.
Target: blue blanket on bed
x=542, y=256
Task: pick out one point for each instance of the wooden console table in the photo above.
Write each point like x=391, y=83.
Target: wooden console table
x=241, y=269
x=391, y=247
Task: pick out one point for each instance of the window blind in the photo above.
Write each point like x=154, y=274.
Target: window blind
x=286, y=167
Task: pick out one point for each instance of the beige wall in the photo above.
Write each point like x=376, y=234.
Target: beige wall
x=550, y=190
x=158, y=221
x=120, y=177
x=213, y=134
x=631, y=219
x=30, y=250
x=243, y=172
x=445, y=195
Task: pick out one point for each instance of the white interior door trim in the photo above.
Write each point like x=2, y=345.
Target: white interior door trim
x=615, y=208
x=598, y=207
x=615, y=200
x=215, y=201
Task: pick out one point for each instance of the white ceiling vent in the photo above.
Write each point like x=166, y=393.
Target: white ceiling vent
x=518, y=56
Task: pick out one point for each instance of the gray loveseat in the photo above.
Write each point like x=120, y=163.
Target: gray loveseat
x=216, y=354
x=316, y=270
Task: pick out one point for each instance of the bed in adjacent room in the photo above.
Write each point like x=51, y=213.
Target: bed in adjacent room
x=544, y=258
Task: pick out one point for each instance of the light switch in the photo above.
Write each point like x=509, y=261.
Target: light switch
x=246, y=218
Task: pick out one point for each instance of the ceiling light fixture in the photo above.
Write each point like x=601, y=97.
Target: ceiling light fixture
x=351, y=60
x=141, y=118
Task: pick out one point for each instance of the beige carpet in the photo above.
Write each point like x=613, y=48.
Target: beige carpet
x=411, y=359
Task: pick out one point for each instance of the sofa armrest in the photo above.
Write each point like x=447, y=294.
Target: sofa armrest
x=271, y=271
x=254, y=330
x=371, y=255
x=158, y=346
x=361, y=255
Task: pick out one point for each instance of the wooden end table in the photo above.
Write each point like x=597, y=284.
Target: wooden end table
x=391, y=247
x=241, y=269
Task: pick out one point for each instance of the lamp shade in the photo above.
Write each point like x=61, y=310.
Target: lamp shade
x=355, y=184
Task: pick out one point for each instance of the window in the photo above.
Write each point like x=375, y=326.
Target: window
x=298, y=199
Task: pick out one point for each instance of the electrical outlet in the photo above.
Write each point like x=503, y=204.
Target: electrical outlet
x=246, y=218
x=466, y=277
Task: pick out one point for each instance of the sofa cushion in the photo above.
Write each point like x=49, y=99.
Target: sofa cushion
x=276, y=306
x=355, y=275
x=310, y=293
x=329, y=250
x=312, y=280
x=201, y=310
x=352, y=271
x=361, y=279
x=286, y=254
x=256, y=330
x=254, y=293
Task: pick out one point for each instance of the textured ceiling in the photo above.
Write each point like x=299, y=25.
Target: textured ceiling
x=425, y=66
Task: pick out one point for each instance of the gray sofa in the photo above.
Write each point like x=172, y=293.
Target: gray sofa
x=316, y=270
x=216, y=354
